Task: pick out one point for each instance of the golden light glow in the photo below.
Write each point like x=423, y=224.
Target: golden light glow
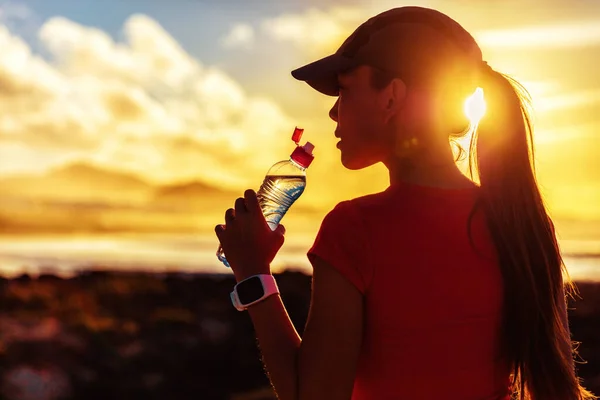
x=475, y=107
x=176, y=138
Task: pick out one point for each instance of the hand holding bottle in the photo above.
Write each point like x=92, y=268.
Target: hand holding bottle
x=284, y=183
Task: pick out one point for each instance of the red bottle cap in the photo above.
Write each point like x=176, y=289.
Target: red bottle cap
x=303, y=154
x=297, y=135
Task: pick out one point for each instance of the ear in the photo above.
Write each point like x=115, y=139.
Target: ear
x=393, y=98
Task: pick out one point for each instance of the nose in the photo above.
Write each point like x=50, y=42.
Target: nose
x=333, y=113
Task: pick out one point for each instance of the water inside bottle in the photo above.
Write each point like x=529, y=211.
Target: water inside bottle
x=276, y=195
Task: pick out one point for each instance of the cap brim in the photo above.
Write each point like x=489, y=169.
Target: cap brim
x=322, y=74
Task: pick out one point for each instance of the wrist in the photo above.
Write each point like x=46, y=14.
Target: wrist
x=250, y=272
x=264, y=304
x=253, y=290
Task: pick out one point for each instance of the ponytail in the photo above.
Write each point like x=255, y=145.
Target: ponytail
x=536, y=338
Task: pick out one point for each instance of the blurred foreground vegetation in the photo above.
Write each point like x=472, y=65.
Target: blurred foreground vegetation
x=103, y=335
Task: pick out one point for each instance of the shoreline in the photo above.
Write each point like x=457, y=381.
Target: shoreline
x=74, y=273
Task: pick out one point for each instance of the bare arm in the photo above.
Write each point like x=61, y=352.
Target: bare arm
x=279, y=343
x=332, y=337
x=323, y=364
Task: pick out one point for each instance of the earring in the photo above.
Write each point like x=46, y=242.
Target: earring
x=405, y=146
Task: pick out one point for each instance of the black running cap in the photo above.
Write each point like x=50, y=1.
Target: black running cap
x=407, y=42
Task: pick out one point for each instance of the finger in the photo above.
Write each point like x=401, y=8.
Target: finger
x=280, y=234
x=240, y=205
x=219, y=230
x=229, y=216
x=280, y=229
x=252, y=203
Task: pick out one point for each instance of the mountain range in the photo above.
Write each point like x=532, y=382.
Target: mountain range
x=82, y=182
x=85, y=197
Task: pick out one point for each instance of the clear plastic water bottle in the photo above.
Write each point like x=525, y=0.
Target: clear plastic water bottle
x=284, y=183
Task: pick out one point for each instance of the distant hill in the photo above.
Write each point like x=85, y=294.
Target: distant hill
x=78, y=182
x=194, y=196
x=189, y=189
x=82, y=197
x=198, y=194
x=99, y=176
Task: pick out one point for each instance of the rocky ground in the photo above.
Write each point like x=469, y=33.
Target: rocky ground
x=138, y=336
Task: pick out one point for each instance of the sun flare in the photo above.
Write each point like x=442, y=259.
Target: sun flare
x=475, y=106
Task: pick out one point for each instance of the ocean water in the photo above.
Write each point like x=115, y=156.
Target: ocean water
x=66, y=256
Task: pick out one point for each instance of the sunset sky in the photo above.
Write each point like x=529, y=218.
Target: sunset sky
x=193, y=89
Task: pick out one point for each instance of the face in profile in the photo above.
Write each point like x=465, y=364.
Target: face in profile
x=376, y=125
x=362, y=126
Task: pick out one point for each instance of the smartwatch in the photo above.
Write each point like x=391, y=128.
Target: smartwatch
x=253, y=290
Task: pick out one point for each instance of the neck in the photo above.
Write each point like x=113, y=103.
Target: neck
x=435, y=170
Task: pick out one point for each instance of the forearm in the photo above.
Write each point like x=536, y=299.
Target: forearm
x=279, y=344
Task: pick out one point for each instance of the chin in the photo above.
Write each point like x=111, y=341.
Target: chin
x=355, y=163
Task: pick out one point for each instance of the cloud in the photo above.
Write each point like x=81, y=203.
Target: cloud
x=560, y=35
x=583, y=134
x=567, y=101
x=143, y=105
x=551, y=96
x=18, y=18
x=541, y=87
x=321, y=30
x=315, y=29
x=10, y=11
x=240, y=36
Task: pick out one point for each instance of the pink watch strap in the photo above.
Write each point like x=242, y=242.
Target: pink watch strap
x=269, y=288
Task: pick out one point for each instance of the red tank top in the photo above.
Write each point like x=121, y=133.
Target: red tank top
x=433, y=296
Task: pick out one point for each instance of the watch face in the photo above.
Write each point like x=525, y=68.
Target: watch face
x=250, y=290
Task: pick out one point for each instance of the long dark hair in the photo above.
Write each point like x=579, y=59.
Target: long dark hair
x=536, y=336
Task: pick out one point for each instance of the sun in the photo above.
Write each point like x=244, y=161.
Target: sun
x=475, y=107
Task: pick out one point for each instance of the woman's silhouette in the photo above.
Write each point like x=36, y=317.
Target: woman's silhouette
x=438, y=287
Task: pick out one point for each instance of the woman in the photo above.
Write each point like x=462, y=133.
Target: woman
x=436, y=288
